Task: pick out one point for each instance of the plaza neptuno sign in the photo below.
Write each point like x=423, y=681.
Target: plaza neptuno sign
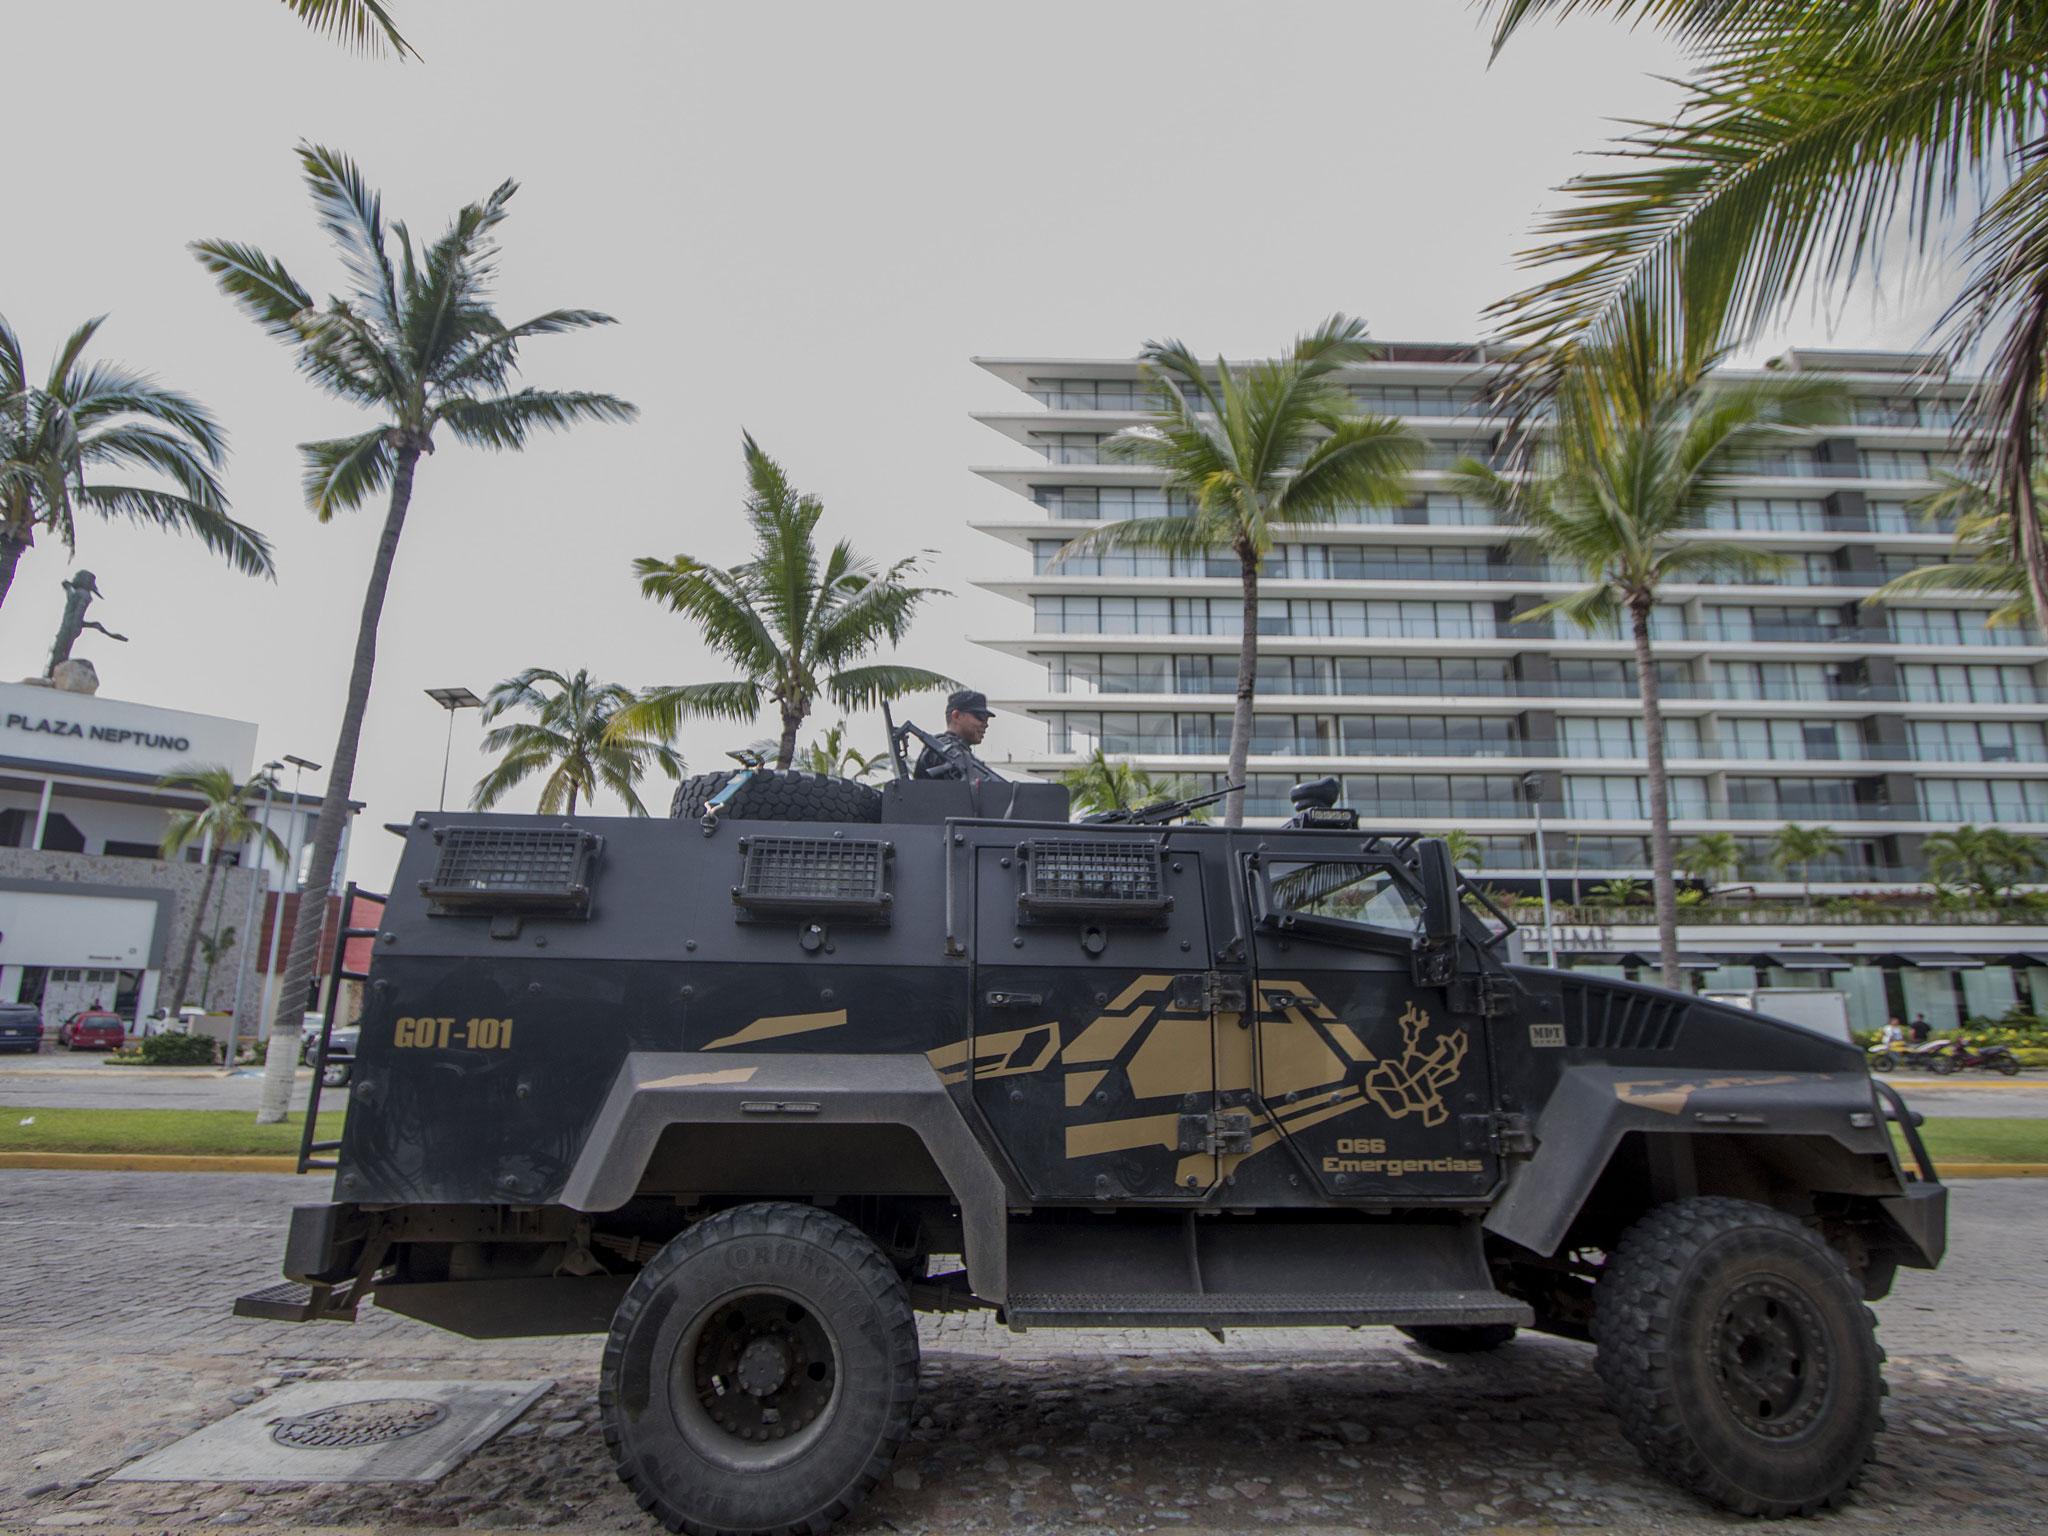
x=85, y=732
x=117, y=735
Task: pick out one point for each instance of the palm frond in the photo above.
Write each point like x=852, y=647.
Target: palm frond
x=363, y=25
x=506, y=421
x=352, y=213
x=244, y=548
x=258, y=285
x=341, y=473
x=868, y=687
x=662, y=711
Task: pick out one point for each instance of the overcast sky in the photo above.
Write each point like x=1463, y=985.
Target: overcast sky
x=807, y=217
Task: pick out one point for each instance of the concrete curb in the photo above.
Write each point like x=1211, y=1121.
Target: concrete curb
x=1990, y=1170
x=150, y=1162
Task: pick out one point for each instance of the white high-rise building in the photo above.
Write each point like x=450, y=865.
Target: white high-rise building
x=1391, y=656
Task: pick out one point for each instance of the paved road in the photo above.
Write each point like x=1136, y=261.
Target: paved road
x=114, y=1323
x=1975, y=1097
x=62, y=1079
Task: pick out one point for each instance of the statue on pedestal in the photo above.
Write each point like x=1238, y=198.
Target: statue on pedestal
x=79, y=593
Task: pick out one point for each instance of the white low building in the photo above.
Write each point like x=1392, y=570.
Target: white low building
x=92, y=915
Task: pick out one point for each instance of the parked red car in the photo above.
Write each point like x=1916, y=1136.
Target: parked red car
x=92, y=1031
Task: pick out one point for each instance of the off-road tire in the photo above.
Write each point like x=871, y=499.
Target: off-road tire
x=1883, y=1061
x=1461, y=1339
x=792, y=795
x=1667, y=1315
x=666, y=1448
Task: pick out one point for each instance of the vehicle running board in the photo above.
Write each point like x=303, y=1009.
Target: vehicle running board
x=1281, y=1310
x=291, y=1302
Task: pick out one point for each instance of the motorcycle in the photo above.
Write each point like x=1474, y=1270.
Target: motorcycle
x=1890, y=1057
x=1961, y=1056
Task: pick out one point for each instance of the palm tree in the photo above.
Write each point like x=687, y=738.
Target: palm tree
x=1811, y=138
x=364, y=25
x=1988, y=860
x=91, y=416
x=835, y=757
x=1274, y=443
x=1116, y=784
x=1618, y=892
x=1619, y=488
x=795, y=622
x=1984, y=544
x=1798, y=847
x=1464, y=847
x=220, y=824
x=571, y=741
x=1711, y=858
x=415, y=341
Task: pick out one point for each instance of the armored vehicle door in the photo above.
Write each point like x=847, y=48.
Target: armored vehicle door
x=1378, y=1091
x=1093, y=1058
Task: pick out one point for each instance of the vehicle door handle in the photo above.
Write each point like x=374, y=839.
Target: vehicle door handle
x=1015, y=999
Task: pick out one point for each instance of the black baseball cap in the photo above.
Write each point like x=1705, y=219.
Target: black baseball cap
x=969, y=701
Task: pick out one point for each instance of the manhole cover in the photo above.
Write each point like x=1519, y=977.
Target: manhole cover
x=374, y=1422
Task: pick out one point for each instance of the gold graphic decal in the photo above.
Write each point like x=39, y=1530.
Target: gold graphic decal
x=1669, y=1095
x=1013, y=1053
x=781, y=1024
x=704, y=1079
x=1414, y=1083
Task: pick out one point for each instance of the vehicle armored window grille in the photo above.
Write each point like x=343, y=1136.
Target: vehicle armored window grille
x=845, y=877
x=1604, y=1019
x=1107, y=878
x=528, y=869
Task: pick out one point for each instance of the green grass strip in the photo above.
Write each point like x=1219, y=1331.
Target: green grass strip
x=212, y=1132
x=1953, y=1139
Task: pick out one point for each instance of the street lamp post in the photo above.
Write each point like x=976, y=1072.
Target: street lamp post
x=451, y=699
x=293, y=846
x=1533, y=783
x=270, y=772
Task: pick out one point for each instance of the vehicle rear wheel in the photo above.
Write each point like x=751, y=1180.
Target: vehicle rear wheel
x=1736, y=1351
x=791, y=795
x=1941, y=1066
x=334, y=1075
x=1455, y=1339
x=760, y=1374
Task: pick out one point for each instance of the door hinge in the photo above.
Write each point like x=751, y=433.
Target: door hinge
x=1217, y=1133
x=1505, y=1134
x=1209, y=992
x=1486, y=994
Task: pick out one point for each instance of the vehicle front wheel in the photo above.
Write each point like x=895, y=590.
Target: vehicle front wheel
x=1736, y=1351
x=1883, y=1061
x=334, y=1075
x=1455, y=1339
x=1941, y=1066
x=760, y=1373
x=2009, y=1066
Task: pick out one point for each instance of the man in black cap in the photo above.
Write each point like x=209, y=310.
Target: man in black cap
x=967, y=718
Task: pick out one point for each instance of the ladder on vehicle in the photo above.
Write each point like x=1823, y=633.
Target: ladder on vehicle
x=313, y=1153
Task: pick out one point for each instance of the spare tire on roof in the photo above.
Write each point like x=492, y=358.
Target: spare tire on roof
x=786, y=795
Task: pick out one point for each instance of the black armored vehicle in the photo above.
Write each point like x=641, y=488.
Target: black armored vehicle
x=748, y=1087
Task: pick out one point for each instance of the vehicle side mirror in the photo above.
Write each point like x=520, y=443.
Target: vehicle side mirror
x=1439, y=891
x=1435, y=959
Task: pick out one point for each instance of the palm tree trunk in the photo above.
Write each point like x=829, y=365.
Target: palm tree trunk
x=11, y=548
x=192, y=934
x=2033, y=550
x=1247, y=684
x=786, y=753
x=572, y=798
x=281, y=1055
x=1663, y=888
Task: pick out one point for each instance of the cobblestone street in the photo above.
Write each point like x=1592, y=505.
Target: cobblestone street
x=115, y=1327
